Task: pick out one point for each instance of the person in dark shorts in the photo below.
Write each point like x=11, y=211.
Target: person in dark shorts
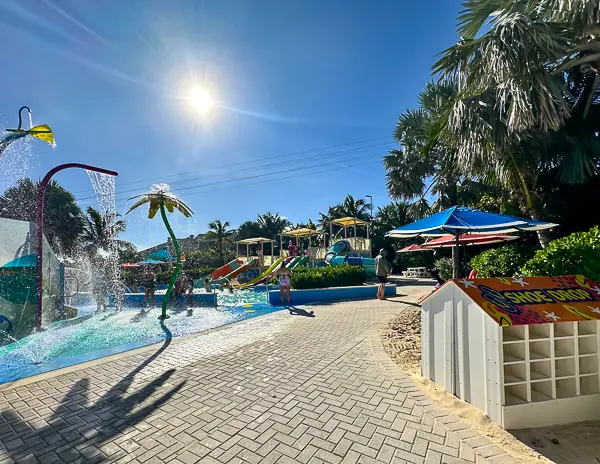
x=382, y=269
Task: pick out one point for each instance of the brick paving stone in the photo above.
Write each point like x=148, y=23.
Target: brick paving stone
x=277, y=388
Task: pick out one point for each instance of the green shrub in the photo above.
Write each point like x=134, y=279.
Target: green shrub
x=505, y=261
x=579, y=253
x=444, y=267
x=323, y=277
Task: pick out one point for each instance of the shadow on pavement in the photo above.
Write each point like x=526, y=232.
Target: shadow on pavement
x=76, y=421
x=294, y=311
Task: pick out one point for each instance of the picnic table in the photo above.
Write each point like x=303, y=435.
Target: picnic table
x=416, y=272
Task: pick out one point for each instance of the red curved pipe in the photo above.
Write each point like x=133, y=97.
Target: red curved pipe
x=39, y=219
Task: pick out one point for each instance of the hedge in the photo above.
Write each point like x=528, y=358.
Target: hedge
x=324, y=277
x=505, y=261
x=578, y=253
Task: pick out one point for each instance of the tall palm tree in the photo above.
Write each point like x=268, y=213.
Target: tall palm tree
x=221, y=233
x=161, y=198
x=528, y=101
x=426, y=164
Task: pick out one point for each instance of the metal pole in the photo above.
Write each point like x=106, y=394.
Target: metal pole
x=370, y=197
x=456, y=268
x=39, y=220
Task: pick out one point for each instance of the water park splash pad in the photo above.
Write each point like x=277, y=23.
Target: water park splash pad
x=95, y=335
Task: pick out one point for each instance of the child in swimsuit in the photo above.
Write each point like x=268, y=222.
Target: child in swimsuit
x=284, y=278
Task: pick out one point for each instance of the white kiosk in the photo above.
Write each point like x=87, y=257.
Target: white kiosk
x=523, y=350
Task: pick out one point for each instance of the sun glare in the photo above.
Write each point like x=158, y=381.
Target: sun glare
x=200, y=100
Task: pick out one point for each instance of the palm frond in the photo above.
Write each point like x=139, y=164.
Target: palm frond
x=138, y=203
x=154, y=207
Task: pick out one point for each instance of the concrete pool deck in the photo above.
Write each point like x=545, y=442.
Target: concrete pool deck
x=278, y=388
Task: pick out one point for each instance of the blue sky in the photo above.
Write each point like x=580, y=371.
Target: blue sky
x=297, y=76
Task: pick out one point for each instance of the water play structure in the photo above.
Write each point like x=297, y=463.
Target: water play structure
x=39, y=219
x=341, y=253
x=161, y=198
x=42, y=132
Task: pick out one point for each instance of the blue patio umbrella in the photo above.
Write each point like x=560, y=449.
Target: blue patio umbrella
x=460, y=220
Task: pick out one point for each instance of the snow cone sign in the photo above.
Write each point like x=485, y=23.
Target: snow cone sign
x=535, y=300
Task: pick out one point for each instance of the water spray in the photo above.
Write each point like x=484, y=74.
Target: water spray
x=42, y=132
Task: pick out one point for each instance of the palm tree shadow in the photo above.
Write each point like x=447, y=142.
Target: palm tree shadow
x=114, y=399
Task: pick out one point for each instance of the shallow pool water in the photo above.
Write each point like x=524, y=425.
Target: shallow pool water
x=92, y=336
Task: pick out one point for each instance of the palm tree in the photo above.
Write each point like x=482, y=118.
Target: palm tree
x=220, y=232
x=160, y=198
x=272, y=225
x=100, y=232
x=63, y=219
x=393, y=215
x=528, y=100
x=356, y=208
x=426, y=163
x=333, y=212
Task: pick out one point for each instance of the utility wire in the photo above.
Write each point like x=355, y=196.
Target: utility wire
x=254, y=168
x=294, y=176
x=255, y=160
x=227, y=181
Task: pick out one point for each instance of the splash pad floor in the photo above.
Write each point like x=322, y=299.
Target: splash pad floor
x=92, y=336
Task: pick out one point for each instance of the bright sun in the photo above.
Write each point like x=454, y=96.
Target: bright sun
x=200, y=100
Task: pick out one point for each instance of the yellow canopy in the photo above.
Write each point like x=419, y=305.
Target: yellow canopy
x=252, y=241
x=349, y=221
x=301, y=232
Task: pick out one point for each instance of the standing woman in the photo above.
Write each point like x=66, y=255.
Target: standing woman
x=284, y=279
x=382, y=269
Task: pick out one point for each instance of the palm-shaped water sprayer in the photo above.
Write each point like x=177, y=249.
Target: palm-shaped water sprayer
x=42, y=132
x=160, y=198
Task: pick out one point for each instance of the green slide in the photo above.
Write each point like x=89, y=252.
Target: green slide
x=298, y=261
x=264, y=275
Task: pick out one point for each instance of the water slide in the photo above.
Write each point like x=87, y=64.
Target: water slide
x=226, y=278
x=297, y=262
x=265, y=276
x=339, y=247
x=224, y=270
x=337, y=255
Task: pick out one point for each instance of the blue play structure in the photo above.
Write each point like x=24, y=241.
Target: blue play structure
x=341, y=252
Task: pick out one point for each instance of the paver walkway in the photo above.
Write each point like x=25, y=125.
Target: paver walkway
x=278, y=388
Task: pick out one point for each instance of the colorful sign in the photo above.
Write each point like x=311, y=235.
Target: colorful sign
x=535, y=300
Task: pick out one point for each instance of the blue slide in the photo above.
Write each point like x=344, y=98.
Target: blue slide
x=338, y=255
